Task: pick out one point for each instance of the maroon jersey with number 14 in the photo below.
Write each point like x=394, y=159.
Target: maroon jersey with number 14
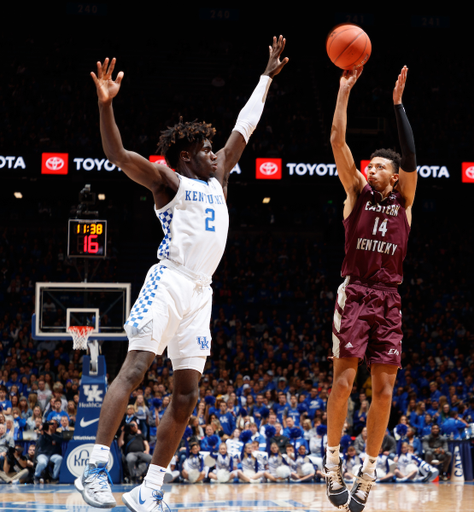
x=376, y=238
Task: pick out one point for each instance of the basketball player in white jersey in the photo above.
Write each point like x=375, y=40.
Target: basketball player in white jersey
x=174, y=306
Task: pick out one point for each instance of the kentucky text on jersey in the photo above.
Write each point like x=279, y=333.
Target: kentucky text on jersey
x=365, y=244
x=201, y=197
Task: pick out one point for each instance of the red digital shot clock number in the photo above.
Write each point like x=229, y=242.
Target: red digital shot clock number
x=87, y=238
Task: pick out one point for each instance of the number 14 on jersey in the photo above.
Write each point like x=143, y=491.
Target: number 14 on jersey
x=382, y=228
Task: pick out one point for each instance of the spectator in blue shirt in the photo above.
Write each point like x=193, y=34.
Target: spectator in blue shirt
x=56, y=413
x=435, y=394
x=468, y=413
x=425, y=430
x=289, y=425
x=211, y=441
x=240, y=390
x=268, y=383
x=313, y=402
x=5, y=403
x=14, y=380
x=453, y=426
x=413, y=440
x=257, y=436
x=293, y=410
x=360, y=417
x=282, y=385
x=296, y=437
x=433, y=410
x=281, y=407
x=401, y=399
x=417, y=417
x=226, y=419
x=259, y=410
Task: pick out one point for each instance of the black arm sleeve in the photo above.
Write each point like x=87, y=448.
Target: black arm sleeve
x=405, y=137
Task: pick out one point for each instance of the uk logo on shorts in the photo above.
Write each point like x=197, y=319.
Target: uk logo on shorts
x=203, y=342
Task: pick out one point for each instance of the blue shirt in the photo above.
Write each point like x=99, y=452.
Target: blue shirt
x=53, y=415
x=452, y=427
x=280, y=411
x=6, y=404
x=313, y=405
x=294, y=413
x=227, y=421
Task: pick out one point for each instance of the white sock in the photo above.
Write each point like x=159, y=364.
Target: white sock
x=154, y=477
x=332, y=455
x=100, y=453
x=368, y=467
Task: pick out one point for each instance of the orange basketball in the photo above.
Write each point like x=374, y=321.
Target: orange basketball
x=348, y=46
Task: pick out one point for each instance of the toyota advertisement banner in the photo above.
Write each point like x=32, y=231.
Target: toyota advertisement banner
x=276, y=169
x=65, y=164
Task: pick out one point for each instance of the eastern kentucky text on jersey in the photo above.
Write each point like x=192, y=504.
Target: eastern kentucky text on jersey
x=376, y=238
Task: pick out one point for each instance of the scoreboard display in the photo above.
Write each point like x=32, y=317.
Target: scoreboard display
x=87, y=238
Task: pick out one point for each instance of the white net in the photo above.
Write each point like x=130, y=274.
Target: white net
x=80, y=335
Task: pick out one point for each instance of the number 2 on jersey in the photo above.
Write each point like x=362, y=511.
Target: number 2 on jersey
x=382, y=228
x=210, y=218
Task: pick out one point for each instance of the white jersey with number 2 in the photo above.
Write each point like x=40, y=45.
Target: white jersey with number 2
x=195, y=225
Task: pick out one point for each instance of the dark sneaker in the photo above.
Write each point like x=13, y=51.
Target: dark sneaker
x=360, y=491
x=336, y=489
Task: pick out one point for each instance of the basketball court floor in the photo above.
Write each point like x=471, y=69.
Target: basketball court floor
x=433, y=497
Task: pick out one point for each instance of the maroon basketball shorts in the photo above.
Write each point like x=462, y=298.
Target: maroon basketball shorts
x=367, y=323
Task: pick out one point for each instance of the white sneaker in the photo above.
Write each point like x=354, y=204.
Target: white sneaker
x=94, y=485
x=136, y=503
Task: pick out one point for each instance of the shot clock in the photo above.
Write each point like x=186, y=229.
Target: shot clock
x=87, y=238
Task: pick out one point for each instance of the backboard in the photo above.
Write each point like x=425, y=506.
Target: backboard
x=104, y=306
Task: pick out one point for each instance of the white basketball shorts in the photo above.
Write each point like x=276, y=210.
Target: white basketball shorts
x=173, y=310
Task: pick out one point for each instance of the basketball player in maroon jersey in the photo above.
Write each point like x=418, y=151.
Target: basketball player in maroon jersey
x=367, y=317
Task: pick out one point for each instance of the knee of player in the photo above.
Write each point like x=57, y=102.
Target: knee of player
x=133, y=372
x=343, y=388
x=185, y=402
x=383, y=394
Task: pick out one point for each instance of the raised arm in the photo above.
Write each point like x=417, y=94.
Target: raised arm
x=408, y=176
x=135, y=166
x=250, y=114
x=352, y=180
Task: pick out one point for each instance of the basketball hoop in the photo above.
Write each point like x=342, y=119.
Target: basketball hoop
x=80, y=334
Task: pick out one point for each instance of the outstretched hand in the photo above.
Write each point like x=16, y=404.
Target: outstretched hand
x=275, y=65
x=107, y=88
x=400, y=86
x=350, y=76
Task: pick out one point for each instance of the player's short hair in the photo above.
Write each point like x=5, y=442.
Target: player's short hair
x=181, y=137
x=391, y=155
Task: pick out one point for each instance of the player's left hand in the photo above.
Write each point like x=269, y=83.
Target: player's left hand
x=400, y=86
x=107, y=88
x=275, y=65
